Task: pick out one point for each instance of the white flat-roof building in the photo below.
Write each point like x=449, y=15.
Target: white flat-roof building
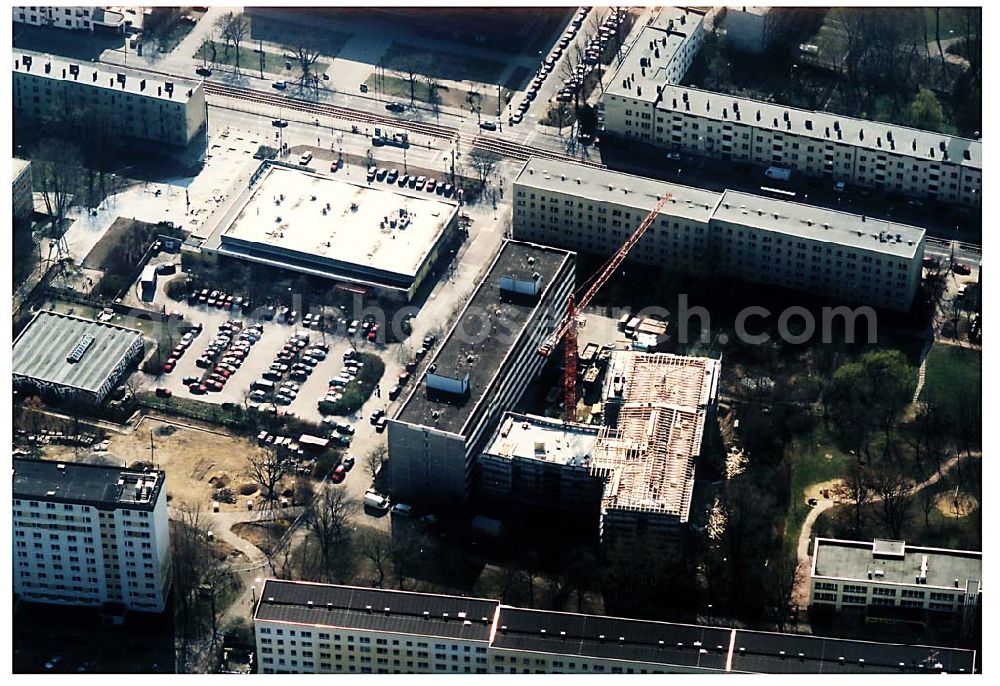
x=133, y=104
x=90, y=535
x=21, y=192
x=854, y=575
x=823, y=144
x=833, y=254
x=372, y=236
x=70, y=18
x=662, y=54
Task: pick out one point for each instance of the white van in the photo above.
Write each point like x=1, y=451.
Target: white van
x=376, y=501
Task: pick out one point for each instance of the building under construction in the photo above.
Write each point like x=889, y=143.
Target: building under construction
x=655, y=410
x=634, y=473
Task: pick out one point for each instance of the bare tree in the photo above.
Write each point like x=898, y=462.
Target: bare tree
x=57, y=173
x=376, y=548
x=234, y=28
x=412, y=66
x=327, y=519
x=266, y=468
x=190, y=560
x=433, y=95
x=222, y=26
x=375, y=460
x=307, y=58
x=484, y=162
x=894, y=490
x=475, y=100
x=781, y=575
x=854, y=488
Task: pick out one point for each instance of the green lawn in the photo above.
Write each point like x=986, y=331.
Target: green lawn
x=250, y=59
x=394, y=87
x=814, y=458
x=952, y=371
x=441, y=65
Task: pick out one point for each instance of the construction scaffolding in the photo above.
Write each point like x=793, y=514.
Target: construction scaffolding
x=656, y=405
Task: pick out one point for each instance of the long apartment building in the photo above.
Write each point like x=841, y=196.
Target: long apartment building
x=480, y=369
x=837, y=255
x=23, y=203
x=134, y=104
x=661, y=53
x=96, y=19
x=855, y=575
x=306, y=628
x=871, y=154
x=633, y=475
x=90, y=535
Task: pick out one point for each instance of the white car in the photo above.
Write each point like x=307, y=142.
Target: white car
x=306, y=158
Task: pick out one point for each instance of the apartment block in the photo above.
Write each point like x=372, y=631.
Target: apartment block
x=662, y=53
x=833, y=254
x=480, y=369
x=751, y=30
x=133, y=104
x=71, y=18
x=870, y=154
x=21, y=193
x=90, y=535
x=306, y=628
x=854, y=575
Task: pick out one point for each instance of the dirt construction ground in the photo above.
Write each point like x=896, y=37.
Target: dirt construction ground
x=190, y=457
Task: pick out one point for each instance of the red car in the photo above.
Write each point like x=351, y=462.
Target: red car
x=960, y=268
x=197, y=389
x=339, y=474
x=163, y=393
x=168, y=367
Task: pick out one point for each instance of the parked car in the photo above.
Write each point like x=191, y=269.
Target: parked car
x=280, y=85
x=163, y=393
x=960, y=268
x=395, y=106
x=402, y=509
x=339, y=474
x=488, y=125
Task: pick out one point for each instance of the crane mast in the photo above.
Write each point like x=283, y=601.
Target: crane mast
x=566, y=330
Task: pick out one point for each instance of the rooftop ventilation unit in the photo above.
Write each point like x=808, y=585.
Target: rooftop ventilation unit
x=81, y=347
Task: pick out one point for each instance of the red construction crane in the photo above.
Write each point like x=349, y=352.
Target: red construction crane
x=578, y=301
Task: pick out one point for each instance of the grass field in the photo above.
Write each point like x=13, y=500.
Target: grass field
x=952, y=371
x=250, y=60
x=394, y=87
x=814, y=459
x=441, y=65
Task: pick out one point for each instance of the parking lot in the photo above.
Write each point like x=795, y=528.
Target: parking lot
x=261, y=355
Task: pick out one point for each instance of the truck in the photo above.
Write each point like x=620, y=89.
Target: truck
x=778, y=173
x=383, y=136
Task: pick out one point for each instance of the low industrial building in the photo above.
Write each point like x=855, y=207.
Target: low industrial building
x=833, y=254
x=71, y=359
x=306, y=628
x=133, y=104
x=857, y=575
x=90, y=535
x=363, y=237
x=21, y=194
x=889, y=157
x=480, y=369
